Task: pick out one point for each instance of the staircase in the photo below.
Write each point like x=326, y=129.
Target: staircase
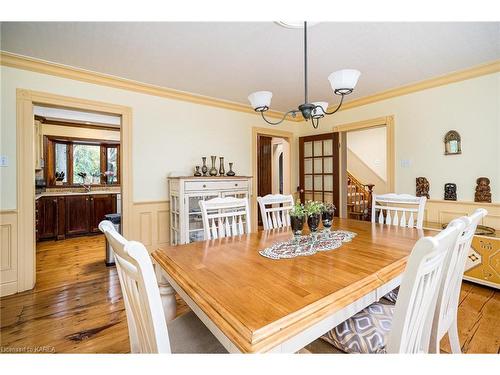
x=359, y=198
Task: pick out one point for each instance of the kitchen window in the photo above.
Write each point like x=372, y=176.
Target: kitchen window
x=72, y=162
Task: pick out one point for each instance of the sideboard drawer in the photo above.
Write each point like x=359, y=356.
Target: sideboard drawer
x=215, y=185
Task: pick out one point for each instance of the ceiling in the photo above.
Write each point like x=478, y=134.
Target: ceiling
x=231, y=60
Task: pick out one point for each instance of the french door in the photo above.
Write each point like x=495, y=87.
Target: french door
x=319, y=168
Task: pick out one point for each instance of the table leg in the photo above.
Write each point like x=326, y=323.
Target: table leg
x=167, y=294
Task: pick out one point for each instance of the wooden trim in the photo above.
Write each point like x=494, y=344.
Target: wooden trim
x=59, y=70
x=77, y=124
x=256, y=131
x=461, y=75
x=25, y=100
x=388, y=122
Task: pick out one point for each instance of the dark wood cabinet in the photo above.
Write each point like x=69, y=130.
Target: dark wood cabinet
x=47, y=213
x=100, y=205
x=72, y=215
x=77, y=214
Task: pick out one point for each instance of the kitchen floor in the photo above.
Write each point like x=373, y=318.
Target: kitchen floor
x=77, y=306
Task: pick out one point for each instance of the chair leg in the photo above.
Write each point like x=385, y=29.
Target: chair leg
x=434, y=345
x=454, y=340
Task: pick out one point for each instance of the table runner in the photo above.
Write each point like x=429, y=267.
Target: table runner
x=308, y=245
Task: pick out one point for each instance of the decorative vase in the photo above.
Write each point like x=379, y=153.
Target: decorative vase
x=230, y=173
x=197, y=173
x=204, y=168
x=213, y=170
x=297, y=224
x=313, y=222
x=221, y=167
x=327, y=218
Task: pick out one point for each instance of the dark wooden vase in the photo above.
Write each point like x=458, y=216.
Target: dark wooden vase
x=313, y=222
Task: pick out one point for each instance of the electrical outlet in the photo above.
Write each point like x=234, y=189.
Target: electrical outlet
x=405, y=163
x=4, y=161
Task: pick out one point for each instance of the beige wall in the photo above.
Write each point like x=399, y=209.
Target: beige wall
x=168, y=135
x=421, y=120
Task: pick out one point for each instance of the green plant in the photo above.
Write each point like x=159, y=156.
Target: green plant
x=313, y=208
x=329, y=207
x=298, y=210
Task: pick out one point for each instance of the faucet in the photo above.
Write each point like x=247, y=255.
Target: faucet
x=87, y=187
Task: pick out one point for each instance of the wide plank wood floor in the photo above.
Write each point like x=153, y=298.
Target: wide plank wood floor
x=77, y=306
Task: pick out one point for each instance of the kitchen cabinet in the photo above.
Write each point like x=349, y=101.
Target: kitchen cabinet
x=58, y=217
x=47, y=212
x=100, y=205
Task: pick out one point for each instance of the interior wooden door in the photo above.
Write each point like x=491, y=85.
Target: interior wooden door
x=319, y=168
x=264, y=171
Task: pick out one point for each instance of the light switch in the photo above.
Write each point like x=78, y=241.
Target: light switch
x=4, y=161
x=405, y=163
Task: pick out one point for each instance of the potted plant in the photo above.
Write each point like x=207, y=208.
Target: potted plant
x=297, y=216
x=313, y=211
x=327, y=215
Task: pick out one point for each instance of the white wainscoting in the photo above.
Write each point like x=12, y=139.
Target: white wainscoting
x=8, y=252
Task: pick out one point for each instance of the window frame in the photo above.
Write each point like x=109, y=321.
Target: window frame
x=50, y=159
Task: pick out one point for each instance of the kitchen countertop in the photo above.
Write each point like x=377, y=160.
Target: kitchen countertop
x=59, y=193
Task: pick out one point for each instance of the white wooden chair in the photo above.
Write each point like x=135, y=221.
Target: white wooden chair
x=405, y=327
x=148, y=330
x=445, y=318
x=400, y=209
x=225, y=217
x=277, y=212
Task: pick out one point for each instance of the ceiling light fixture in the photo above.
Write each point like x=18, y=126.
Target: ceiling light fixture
x=342, y=82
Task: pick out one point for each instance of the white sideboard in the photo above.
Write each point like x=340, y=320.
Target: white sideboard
x=186, y=224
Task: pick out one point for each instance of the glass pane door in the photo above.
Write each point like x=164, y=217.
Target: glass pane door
x=319, y=174
x=194, y=221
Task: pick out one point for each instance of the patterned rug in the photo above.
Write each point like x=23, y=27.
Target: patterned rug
x=308, y=245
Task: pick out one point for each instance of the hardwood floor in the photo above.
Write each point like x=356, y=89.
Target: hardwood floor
x=77, y=306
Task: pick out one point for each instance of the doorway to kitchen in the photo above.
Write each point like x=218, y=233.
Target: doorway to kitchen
x=79, y=152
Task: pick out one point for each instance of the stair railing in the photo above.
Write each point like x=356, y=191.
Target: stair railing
x=359, y=198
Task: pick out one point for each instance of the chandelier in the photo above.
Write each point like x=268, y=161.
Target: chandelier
x=342, y=82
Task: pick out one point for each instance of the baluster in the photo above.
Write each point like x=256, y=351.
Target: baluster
x=370, y=192
x=388, y=217
x=240, y=225
x=381, y=217
x=395, y=220
x=402, y=223
x=214, y=229
x=274, y=219
x=411, y=221
x=221, y=228
x=234, y=226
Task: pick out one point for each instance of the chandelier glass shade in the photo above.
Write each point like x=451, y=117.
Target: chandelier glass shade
x=342, y=82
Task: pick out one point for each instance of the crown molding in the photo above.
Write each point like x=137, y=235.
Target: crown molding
x=461, y=75
x=46, y=67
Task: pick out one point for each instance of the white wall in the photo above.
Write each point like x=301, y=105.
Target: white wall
x=421, y=120
x=369, y=145
x=168, y=135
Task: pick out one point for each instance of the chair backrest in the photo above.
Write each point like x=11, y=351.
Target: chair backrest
x=275, y=210
x=145, y=317
x=225, y=217
x=451, y=280
x=400, y=209
x=416, y=303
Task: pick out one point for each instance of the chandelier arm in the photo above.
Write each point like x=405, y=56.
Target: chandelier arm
x=293, y=112
x=336, y=109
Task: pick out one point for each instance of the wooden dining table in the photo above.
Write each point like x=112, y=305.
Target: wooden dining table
x=255, y=304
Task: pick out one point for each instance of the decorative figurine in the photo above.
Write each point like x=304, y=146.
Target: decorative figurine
x=450, y=192
x=204, y=168
x=230, y=173
x=213, y=170
x=483, y=190
x=197, y=173
x=221, y=167
x=422, y=187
